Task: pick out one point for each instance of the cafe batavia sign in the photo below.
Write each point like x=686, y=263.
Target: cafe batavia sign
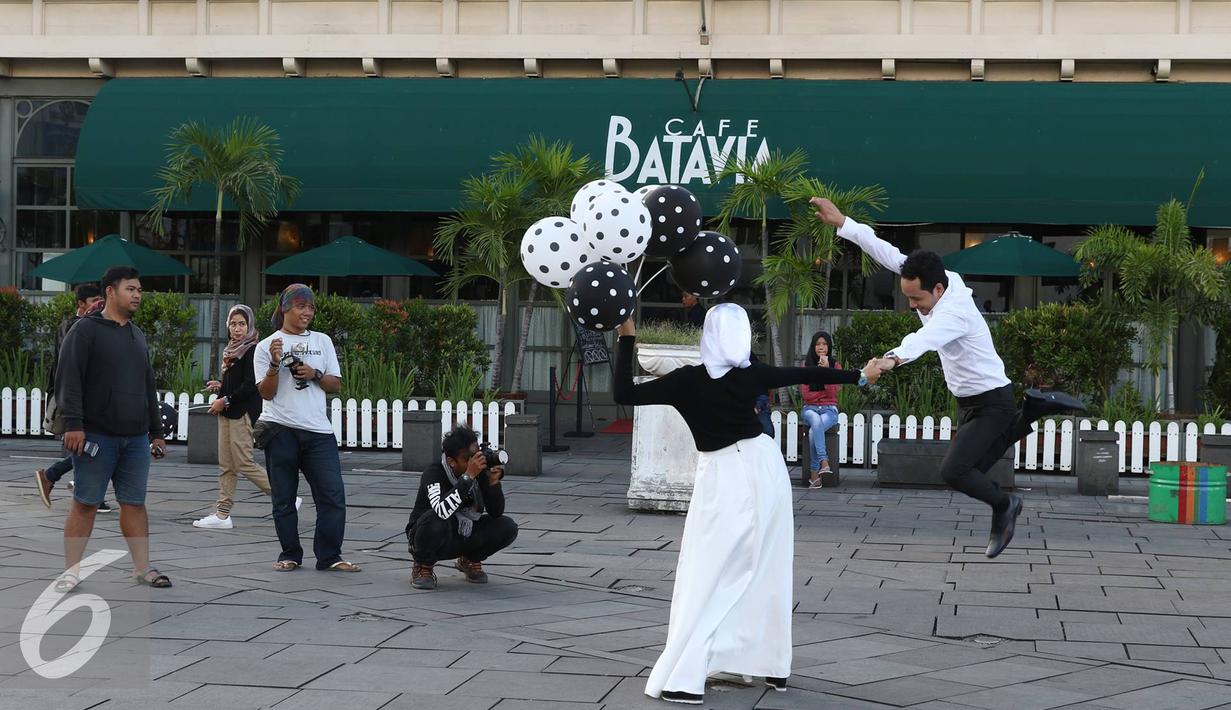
x=680, y=151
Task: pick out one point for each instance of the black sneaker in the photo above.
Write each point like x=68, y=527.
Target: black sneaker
x=778, y=684
x=104, y=508
x=675, y=696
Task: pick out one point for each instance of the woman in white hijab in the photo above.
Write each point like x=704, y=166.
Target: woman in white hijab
x=731, y=607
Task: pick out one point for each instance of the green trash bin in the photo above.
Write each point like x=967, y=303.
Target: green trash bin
x=1186, y=492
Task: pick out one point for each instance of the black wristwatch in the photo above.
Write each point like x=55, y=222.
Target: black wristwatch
x=319, y=375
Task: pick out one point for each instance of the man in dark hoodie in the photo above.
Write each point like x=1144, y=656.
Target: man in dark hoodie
x=86, y=295
x=105, y=389
x=459, y=512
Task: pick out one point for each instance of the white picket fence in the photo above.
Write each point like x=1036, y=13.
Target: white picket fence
x=356, y=424
x=1049, y=449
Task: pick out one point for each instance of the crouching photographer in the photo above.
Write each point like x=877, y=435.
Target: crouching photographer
x=460, y=511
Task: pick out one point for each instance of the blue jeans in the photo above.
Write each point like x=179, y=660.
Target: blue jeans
x=819, y=419
x=767, y=424
x=57, y=470
x=287, y=453
x=122, y=461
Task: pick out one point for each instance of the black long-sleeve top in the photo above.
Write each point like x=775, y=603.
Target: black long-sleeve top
x=239, y=383
x=718, y=412
x=437, y=495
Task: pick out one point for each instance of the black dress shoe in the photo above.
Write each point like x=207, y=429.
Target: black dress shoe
x=675, y=696
x=1003, y=524
x=1041, y=404
x=778, y=684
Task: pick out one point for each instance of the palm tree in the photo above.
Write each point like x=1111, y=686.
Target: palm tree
x=242, y=164
x=792, y=272
x=757, y=183
x=555, y=176
x=1156, y=281
x=482, y=240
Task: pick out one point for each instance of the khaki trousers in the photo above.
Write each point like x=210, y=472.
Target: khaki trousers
x=234, y=458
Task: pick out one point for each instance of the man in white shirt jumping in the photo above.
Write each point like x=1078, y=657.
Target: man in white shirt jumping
x=989, y=419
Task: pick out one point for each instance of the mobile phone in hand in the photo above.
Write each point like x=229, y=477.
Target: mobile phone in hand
x=90, y=449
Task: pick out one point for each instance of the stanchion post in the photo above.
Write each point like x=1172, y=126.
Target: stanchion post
x=552, y=447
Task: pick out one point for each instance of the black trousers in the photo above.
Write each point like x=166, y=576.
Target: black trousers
x=432, y=539
x=988, y=425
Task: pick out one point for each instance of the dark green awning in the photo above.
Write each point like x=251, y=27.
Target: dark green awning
x=1017, y=153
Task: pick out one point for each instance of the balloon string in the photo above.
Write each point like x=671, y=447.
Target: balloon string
x=651, y=279
x=637, y=276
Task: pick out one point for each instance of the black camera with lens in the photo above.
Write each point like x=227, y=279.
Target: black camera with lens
x=290, y=362
x=494, y=457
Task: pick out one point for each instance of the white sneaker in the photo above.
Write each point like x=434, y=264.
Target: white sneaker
x=213, y=521
x=298, y=502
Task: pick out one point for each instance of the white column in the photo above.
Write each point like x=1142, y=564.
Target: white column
x=1183, y=16
x=1047, y=23
x=514, y=17
x=264, y=16
x=384, y=16
x=775, y=17
x=639, y=12
x=448, y=17
x=905, y=21
x=202, y=17
x=36, y=24
x=976, y=17
x=143, y=17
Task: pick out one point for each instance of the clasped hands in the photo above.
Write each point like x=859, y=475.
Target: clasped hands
x=877, y=367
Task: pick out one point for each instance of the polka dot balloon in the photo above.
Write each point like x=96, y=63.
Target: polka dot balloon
x=675, y=219
x=170, y=420
x=616, y=227
x=644, y=190
x=709, y=267
x=587, y=194
x=601, y=297
x=553, y=249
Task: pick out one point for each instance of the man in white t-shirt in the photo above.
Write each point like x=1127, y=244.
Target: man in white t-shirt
x=295, y=368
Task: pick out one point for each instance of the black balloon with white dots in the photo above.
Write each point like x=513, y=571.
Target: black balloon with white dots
x=709, y=267
x=675, y=219
x=601, y=296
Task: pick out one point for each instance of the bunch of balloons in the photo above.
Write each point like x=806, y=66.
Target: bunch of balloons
x=609, y=227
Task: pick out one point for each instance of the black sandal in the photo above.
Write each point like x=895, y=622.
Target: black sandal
x=154, y=578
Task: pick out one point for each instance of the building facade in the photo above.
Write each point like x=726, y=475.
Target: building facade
x=978, y=116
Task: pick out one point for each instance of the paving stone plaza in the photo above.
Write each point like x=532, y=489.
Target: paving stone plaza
x=1092, y=607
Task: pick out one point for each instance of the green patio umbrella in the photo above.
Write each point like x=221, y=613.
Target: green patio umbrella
x=1013, y=254
x=89, y=263
x=349, y=256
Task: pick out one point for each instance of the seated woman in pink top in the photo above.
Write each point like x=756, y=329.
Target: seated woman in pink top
x=820, y=405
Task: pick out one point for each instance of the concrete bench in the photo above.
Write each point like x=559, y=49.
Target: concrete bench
x=916, y=462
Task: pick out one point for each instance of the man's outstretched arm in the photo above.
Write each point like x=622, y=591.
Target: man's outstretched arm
x=881, y=251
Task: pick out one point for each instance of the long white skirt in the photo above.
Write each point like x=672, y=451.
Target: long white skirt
x=731, y=608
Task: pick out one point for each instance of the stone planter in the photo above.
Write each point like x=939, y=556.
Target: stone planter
x=658, y=359
x=203, y=444
x=1216, y=449
x=664, y=459
x=1097, y=465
